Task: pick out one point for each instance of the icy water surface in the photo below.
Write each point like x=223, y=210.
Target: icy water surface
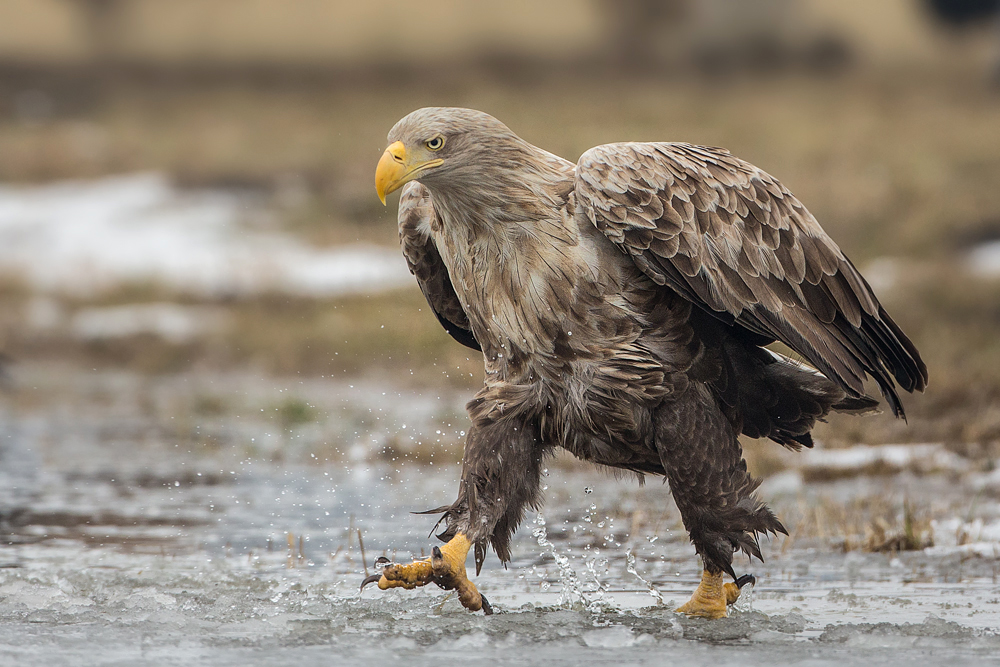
x=121, y=545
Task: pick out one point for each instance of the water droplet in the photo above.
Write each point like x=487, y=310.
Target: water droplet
x=588, y=490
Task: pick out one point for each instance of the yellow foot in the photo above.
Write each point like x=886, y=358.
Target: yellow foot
x=445, y=567
x=712, y=596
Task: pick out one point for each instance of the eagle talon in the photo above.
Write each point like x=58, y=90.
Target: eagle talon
x=380, y=564
x=445, y=567
x=733, y=590
x=712, y=597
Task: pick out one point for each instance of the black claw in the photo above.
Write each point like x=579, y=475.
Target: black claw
x=487, y=607
x=746, y=579
x=381, y=560
x=370, y=580
x=436, y=552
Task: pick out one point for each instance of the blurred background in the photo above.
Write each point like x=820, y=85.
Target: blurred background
x=186, y=187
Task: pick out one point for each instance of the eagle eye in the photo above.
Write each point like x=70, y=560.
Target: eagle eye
x=435, y=144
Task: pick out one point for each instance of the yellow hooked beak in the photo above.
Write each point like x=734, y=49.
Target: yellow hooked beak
x=394, y=170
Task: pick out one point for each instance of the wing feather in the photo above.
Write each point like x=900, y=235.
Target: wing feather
x=416, y=220
x=733, y=240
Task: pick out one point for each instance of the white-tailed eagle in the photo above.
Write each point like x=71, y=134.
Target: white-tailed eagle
x=622, y=305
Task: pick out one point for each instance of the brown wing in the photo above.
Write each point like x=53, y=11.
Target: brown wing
x=416, y=217
x=736, y=242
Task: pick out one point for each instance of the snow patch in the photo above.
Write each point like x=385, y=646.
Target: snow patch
x=926, y=457
x=87, y=237
x=981, y=549
x=883, y=273
x=968, y=538
x=170, y=321
x=782, y=483
x=984, y=259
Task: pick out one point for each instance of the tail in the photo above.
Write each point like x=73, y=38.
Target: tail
x=792, y=398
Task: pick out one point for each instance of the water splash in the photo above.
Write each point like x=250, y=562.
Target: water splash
x=744, y=604
x=599, y=596
x=630, y=568
x=573, y=591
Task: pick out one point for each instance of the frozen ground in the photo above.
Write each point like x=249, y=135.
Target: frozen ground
x=133, y=531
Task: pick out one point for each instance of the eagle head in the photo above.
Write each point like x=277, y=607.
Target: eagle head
x=440, y=144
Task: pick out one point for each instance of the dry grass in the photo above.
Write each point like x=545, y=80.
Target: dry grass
x=870, y=523
x=274, y=334
x=955, y=321
x=765, y=458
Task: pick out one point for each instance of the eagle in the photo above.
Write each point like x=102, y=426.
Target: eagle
x=623, y=306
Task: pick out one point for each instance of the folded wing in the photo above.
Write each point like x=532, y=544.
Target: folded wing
x=734, y=241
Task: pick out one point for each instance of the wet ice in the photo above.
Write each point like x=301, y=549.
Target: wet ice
x=121, y=547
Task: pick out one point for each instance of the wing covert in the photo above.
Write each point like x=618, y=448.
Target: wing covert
x=416, y=217
x=733, y=240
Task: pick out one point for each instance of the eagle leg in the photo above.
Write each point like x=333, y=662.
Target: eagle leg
x=501, y=478
x=712, y=597
x=708, y=477
x=445, y=567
